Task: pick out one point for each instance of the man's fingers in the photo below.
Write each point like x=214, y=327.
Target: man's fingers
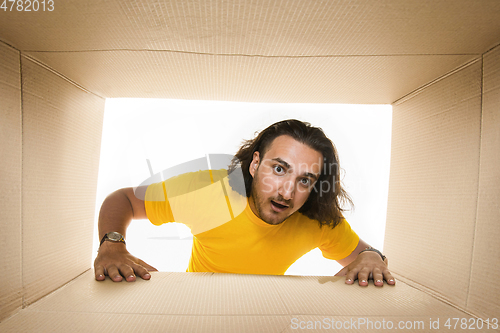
x=121, y=265
x=389, y=278
x=348, y=275
x=99, y=273
x=127, y=272
x=351, y=275
x=142, y=272
x=378, y=277
x=363, y=276
x=114, y=274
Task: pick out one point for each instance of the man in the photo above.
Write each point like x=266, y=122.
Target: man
x=287, y=202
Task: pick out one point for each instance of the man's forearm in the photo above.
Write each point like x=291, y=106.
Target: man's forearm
x=360, y=247
x=113, y=259
x=116, y=214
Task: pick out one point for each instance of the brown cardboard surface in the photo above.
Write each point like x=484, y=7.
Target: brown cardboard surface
x=10, y=180
x=252, y=79
x=433, y=184
x=170, y=293
x=301, y=51
x=329, y=295
x=96, y=322
x=109, y=322
x=484, y=296
x=268, y=28
x=207, y=302
x=61, y=143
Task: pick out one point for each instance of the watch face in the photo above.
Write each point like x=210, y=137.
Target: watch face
x=114, y=236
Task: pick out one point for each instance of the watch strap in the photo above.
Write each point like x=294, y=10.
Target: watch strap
x=372, y=249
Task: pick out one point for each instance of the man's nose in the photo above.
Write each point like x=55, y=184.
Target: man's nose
x=287, y=190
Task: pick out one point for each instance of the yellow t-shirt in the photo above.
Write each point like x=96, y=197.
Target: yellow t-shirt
x=229, y=238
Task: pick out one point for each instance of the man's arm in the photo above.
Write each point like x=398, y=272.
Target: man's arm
x=364, y=266
x=113, y=259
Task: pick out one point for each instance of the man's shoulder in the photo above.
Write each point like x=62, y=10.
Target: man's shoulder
x=193, y=181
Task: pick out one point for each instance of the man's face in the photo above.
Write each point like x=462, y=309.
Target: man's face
x=283, y=178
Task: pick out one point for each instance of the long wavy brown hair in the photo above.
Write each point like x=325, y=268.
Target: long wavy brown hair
x=328, y=198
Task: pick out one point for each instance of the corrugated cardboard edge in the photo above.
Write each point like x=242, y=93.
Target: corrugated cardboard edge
x=458, y=69
x=424, y=87
x=41, y=64
x=483, y=296
x=26, y=305
x=11, y=181
x=431, y=292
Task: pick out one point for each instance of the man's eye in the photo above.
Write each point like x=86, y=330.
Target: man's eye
x=279, y=169
x=305, y=181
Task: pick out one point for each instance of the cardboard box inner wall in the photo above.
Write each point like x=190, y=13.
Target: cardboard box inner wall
x=433, y=183
x=443, y=211
x=61, y=139
x=444, y=192
x=48, y=238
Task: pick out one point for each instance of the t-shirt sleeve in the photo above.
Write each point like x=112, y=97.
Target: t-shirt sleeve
x=339, y=242
x=166, y=200
x=158, y=209
x=200, y=200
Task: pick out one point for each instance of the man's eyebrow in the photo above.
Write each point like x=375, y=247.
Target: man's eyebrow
x=279, y=160
x=307, y=174
x=311, y=175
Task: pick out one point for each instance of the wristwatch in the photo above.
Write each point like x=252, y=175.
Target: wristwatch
x=113, y=236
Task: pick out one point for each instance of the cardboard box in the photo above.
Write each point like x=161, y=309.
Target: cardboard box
x=437, y=63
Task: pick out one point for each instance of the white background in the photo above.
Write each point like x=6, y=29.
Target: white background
x=169, y=132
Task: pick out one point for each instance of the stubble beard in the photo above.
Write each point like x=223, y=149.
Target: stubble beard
x=258, y=203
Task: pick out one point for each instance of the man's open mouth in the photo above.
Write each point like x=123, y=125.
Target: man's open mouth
x=277, y=206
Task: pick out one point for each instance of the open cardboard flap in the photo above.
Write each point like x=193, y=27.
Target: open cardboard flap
x=217, y=302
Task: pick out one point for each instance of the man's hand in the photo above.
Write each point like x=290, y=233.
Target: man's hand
x=367, y=265
x=115, y=261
